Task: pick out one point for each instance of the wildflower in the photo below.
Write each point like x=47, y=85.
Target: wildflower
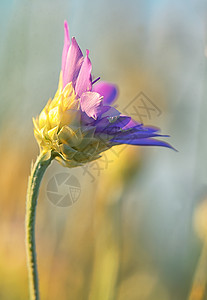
x=80, y=123
x=75, y=128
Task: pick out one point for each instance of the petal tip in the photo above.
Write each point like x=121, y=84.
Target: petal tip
x=66, y=29
x=108, y=90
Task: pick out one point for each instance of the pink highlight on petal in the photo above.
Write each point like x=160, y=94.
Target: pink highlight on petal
x=91, y=104
x=132, y=123
x=73, y=64
x=107, y=90
x=83, y=83
x=66, y=45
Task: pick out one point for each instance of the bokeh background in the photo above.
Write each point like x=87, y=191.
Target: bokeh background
x=139, y=228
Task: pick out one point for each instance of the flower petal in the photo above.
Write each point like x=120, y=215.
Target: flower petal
x=137, y=133
x=83, y=83
x=141, y=142
x=73, y=64
x=108, y=90
x=109, y=111
x=91, y=104
x=107, y=126
x=101, y=124
x=66, y=45
x=132, y=124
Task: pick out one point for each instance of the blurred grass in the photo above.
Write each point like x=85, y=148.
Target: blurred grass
x=91, y=255
x=91, y=250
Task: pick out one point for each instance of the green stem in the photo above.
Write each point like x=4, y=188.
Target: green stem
x=37, y=172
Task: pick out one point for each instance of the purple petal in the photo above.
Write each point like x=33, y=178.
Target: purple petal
x=83, y=83
x=73, y=64
x=142, y=142
x=66, y=45
x=91, y=104
x=103, y=111
x=137, y=133
x=86, y=120
x=107, y=90
x=121, y=122
x=140, y=131
x=101, y=124
x=132, y=124
x=109, y=111
x=106, y=126
x=116, y=127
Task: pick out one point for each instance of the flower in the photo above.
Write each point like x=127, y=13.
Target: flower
x=80, y=123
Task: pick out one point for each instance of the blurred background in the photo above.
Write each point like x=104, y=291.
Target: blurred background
x=138, y=229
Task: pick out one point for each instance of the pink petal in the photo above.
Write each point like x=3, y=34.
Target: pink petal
x=83, y=83
x=132, y=123
x=91, y=104
x=73, y=64
x=107, y=90
x=66, y=45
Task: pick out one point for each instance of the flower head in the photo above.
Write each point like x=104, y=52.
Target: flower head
x=80, y=123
